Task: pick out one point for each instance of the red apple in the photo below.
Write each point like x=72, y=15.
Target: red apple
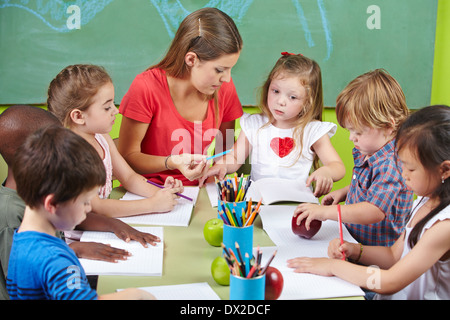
x=301, y=231
x=274, y=284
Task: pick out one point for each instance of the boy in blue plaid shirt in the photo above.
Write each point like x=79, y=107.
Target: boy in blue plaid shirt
x=377, y=202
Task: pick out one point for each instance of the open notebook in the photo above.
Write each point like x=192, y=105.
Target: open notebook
x=179, y=216
x=277, y=224
x=142, y=262
x=271, y=190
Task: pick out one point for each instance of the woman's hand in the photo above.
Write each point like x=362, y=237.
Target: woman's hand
x=192, y=166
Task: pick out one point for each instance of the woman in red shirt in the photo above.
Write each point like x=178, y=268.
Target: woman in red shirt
x=174, y=110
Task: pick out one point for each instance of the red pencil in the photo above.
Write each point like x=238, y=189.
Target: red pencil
x=340, y=228
x=252, y=271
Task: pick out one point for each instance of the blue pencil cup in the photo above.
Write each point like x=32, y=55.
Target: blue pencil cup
x=247, y=289
x=243, y=236
x=238, y=207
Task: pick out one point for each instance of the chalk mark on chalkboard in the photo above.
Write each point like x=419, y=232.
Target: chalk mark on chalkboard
x=54, y=15
x=173, y=12
x=307, y=32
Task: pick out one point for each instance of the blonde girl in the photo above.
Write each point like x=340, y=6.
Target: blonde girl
x=288, y=135
x=82, y=97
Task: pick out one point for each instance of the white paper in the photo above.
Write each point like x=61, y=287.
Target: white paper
x=271, y=190
x=299, y=286
x=179, y=216
x=274, y=190
x=192, y=291
x=277, y=221
x=142, y=262
x=213, y=194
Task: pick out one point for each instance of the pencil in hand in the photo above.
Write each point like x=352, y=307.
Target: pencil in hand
x=341, y=235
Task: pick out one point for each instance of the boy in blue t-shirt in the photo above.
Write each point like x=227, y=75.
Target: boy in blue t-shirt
x=57, y=174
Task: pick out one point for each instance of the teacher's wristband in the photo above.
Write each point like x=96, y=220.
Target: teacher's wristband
x=165, y=162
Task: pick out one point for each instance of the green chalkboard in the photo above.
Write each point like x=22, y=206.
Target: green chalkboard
x=346, y=37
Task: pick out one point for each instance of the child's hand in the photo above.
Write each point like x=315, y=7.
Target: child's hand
x=128, y=294
x=319, y=266
x=336, y=249
x=217, y=171
x=324, y=182
x=334, y=197
x=164, y=199
x=98, y=251
x=139, y=294
x=171, y=182
x=128, y=233
x=310, y=212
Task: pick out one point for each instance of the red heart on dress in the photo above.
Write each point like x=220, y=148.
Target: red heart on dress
x=282, y=146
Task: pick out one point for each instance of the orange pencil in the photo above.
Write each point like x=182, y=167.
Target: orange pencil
x=251, y=218
x=259, y=204
x=236, y=262
x=254, y=213
x=249, y=208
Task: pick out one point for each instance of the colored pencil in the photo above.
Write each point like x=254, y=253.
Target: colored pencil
x=228, y=214
x=162, y=187
x=235, y=188
x=341, y=235
x=218, y=155
x=246, y=268
x=261, y=272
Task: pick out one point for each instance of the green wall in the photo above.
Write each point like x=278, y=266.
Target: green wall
x=440, y=90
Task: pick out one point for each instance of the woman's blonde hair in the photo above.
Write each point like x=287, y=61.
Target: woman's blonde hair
x=309, y=74
x=373, y=99
x=210, y=34
x=74, y=88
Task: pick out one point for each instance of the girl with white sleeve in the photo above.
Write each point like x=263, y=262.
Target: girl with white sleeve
x=82, y=98
x=288, y=136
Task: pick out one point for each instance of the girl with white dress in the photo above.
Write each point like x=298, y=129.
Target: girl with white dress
x=288, y=136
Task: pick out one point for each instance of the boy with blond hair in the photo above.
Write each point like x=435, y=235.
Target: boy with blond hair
x=377, y=202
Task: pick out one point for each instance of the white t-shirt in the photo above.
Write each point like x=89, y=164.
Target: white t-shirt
x=273, y=152
x=434, y=284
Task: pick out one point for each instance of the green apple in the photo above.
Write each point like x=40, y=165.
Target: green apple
x=220, y=271
x=213, y=232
